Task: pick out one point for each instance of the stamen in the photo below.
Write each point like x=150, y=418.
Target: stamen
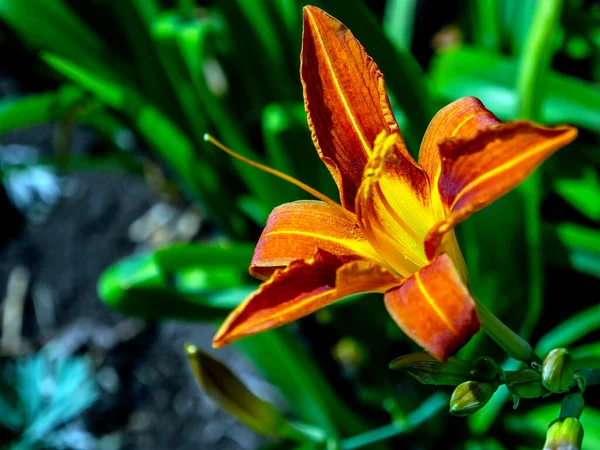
x=383, y=152
x=277, y=173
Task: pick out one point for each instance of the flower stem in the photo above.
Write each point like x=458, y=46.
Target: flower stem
x=513, y=344
x=427, y=410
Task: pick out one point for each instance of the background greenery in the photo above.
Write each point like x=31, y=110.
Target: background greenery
x=171, y=71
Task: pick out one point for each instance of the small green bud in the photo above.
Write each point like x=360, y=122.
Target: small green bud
x=564, y=434
x=557, y=371
x=484, y=369
x=470, y=396
x=525, y=383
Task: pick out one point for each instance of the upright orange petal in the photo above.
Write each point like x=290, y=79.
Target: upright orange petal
x=295, y=230
x=477, y=171
x=345, y=100
x=461, y=119
x=435, y=309
x=300, y=289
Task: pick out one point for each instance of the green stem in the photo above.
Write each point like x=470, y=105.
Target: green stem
x=428, y=409
x=533, y=67
x=592, y=376
x=304, y=432
x=572, y=406
x=513, y=344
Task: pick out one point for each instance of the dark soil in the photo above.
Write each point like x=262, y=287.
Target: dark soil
x=149, y=397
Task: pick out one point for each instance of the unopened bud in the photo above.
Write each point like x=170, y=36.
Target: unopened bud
x=470, y=396
x=557, y=371
x=564, y=434
x=227, y=391
x=525, y=383
x=484, y=369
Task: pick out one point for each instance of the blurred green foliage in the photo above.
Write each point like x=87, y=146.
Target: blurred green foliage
x=172, y=71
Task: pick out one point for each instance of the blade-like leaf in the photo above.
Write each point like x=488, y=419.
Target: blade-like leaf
x=24, y=112
x=492, y=78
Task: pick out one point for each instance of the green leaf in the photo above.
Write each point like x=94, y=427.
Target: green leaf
x=516, y=18
x=583, y=193
x=191, y=282
x=161, y=134
x=21, y=112
x=178, y=257
x=290, y=149
x=54, y=28
x=398, y=19
x=287, y=365
x=133, y=26
x=571, y=330
x=486, y=23
x=574, y=245
x=492, y=78
x=586, y=356
x=165, y=29
x=192, y=40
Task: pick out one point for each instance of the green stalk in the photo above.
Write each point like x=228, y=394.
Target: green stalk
x=533, y=68
x=426, y=411
x=514, y=345
x=572, y=406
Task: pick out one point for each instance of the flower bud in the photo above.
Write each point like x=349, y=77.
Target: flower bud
x=484, y=369
x=525, y=383
x=564, y=434
x=557, y=371
x=227, y=391
x=470, y=396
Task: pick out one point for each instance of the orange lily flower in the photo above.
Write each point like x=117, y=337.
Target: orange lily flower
x=392, y=232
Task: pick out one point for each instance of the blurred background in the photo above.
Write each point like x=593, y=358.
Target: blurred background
x=125, y=235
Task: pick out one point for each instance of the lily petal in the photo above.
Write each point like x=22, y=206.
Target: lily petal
x=477, y=171
x=345, y=100
x=435, y=309
x=462, y=119
x=295, y=230
x=303, y=287
x=393, y=207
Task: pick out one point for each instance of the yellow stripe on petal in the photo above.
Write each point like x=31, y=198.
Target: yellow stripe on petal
x=435, y=309
x=295, y=230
